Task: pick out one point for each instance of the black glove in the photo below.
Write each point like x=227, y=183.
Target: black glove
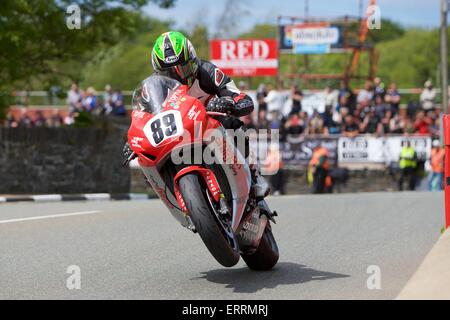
x=127, y=152
x=222, y=104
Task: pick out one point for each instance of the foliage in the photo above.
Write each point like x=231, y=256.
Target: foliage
x=36, y=42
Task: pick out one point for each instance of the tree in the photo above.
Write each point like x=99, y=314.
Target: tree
x=36, y=41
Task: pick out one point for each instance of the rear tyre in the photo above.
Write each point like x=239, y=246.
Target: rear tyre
x=266, y=256
x=205, y=221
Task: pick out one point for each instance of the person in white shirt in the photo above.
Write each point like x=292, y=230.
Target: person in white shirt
x=275, y=99
x=428, y=96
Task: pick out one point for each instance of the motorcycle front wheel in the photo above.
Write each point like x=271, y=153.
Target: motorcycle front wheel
x=206, y=222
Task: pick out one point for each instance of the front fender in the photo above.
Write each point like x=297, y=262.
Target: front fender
x=209, y=178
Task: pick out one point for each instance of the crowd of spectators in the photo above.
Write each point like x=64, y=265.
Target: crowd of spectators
x=112, y=102
x=375, y=109
x=78, y=100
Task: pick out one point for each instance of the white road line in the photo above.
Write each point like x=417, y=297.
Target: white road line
x=49, y=216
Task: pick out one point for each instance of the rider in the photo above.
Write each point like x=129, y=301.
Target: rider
x=174, y=56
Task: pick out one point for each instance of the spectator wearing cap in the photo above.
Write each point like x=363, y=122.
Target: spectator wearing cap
x=428, y=97
x=436, y=181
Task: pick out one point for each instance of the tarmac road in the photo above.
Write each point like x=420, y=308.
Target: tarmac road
x=136, y=250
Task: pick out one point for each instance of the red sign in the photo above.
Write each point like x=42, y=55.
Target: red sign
x=245, y=58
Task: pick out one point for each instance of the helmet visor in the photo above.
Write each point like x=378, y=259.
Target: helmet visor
x=183, y=72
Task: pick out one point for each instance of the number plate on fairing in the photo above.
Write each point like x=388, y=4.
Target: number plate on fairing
x=163, y=126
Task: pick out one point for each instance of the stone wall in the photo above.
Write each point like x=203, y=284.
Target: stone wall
x=64, y=160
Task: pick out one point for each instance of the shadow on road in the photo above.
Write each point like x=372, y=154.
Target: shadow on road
x=244, y=280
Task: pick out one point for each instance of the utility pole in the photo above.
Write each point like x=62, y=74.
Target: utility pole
x=444, y=57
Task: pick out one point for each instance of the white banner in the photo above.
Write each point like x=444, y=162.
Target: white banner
x=380, y=150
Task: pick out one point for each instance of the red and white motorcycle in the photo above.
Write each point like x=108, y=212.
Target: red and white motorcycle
x=208, y=197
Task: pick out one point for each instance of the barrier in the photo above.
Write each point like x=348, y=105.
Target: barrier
x=446, y=123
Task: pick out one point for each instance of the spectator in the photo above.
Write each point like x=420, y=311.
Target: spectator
x=261, y=93
x=366, y=94
x=294, y=125
x=331, y=98
x=422, y=123
x=380, y=107
x=107, y=99
x=386, y=122
x=393, y=98
x=11, y=121
x=25, y=120
x=371, y=123
x=118, y=104
x=275, y=169
x=40, y=120
x=379, y=88
x=408, y=164
x=428, y=96
x=350, y=128
x=56, y=120
x=436, y=181
x=274, y=99
x=89, y=100
x=74, y=98
x=331, y=126
x=263, y=122
x=316, y=124
x=319, y=166
x=296, y=96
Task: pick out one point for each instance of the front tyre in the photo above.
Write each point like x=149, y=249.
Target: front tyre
x=266, y=256
x=205, y=221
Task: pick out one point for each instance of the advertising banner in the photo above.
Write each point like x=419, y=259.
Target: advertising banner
x=245, y=58
x=380, y=150
x=297, y=150
x=310, y=38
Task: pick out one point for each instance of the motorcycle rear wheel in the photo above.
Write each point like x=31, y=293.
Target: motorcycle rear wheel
x=266, y=256
x=205, y=220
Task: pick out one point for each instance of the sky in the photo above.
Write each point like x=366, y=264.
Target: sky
x=187, y=13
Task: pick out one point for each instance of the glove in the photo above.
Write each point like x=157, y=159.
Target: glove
x=127, y=152
x=222, y=104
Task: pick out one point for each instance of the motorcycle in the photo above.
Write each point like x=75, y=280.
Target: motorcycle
x=210, y=198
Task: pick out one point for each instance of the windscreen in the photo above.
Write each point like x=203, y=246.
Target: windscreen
x=152, y=93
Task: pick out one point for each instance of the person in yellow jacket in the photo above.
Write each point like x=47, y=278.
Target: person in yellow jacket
x=408, y=165
x=319, y=166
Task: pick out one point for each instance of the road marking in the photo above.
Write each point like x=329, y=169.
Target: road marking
x=49, y=216
x=47, y=197
x=97, y=196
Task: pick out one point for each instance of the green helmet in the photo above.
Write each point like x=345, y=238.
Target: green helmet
x=174, y=56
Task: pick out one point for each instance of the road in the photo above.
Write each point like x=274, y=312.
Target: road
x=136, y=250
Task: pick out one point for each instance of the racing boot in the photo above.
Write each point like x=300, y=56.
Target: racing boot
x=259, y=190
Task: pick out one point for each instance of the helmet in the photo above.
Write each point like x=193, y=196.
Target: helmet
x=174, y=56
